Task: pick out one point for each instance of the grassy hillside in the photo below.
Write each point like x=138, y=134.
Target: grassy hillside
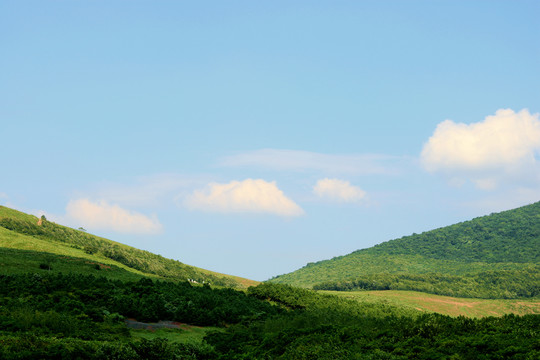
x=46, y=242
x=495, y=256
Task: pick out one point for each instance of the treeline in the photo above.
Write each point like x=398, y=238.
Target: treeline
x=141, y=260
x=75, y=316
x=81, y=317
x=506, y=284
x=94, y=298
x=325, y=327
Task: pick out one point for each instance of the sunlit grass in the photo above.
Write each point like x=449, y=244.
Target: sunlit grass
x=444, y=304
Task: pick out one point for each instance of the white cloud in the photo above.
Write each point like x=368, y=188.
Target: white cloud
x=338, y=190
x=295, y=160
x=250, y=195
x=104, y=216
x=502, y=145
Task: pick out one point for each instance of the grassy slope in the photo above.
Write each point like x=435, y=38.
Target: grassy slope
x=446, y=305
x=121, y=261
x=508, y=240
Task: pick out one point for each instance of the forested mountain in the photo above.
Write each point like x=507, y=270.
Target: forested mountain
x=27, y=242
x=494, y=256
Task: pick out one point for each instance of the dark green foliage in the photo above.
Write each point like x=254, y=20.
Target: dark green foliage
x=58, y=316
x=324, y=327
x=503, y=244
x=55, y=316
x=41, y=348
x=145, y=300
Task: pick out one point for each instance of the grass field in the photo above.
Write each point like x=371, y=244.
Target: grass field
x=444, y=304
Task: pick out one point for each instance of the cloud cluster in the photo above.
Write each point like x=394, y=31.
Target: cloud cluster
x=250, y=195
x=338, y=190
x=502, y=145
x=101, y=215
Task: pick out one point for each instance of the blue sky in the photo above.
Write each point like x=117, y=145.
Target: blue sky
x=253, y=137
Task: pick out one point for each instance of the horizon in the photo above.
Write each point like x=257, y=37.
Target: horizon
x=252, y=139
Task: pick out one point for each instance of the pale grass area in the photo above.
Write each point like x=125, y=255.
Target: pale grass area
x=446, y=305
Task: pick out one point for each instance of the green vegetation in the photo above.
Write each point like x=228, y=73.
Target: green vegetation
x=494, y=256
x=503, y=284
x=145, y=300
x=186, y=334
x=15, y=261
x=21, y=231
x=55, y=316
x=320, y=326
x=446, y=305
x=63, y=316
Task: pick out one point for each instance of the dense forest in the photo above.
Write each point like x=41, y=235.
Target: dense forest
x=507, y=243
x=74, y=316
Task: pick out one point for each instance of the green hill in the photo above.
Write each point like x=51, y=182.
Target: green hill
x=495, y=256
x=28, y=244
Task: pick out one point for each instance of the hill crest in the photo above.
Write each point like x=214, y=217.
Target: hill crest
x=500, y=242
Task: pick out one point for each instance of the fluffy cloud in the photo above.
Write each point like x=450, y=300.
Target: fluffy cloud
x=104, y=216
x=296, y=160
x=504, y=144
x=338, y=190
x=250, y=195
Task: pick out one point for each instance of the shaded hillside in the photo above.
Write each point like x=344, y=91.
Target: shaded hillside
x=26, y=232
x=494, y=256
